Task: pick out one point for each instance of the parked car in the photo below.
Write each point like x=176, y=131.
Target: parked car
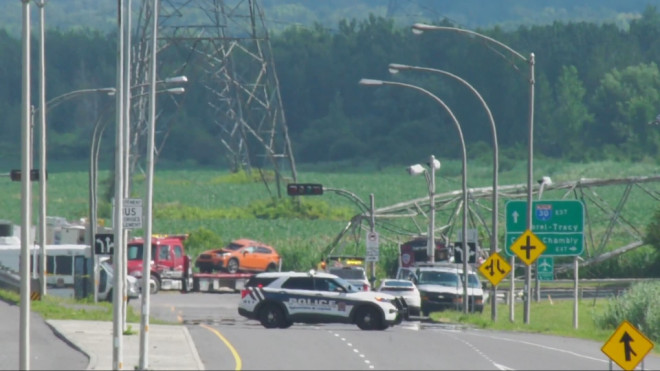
x=441, y=288
x=240, y=255
x=405, y=289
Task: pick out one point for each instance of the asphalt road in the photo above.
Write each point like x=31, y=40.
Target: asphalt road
x=46, y=351
x=227, y=341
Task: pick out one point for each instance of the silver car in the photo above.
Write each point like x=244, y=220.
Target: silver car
x=405, y=289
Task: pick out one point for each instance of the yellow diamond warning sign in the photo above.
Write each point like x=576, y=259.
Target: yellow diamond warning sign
x=528, y=247
x=627, y=346
x=495, y=268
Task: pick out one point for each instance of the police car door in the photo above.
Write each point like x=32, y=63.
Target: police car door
x=331, y=303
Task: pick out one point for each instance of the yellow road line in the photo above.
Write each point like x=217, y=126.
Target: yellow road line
x=237, y=358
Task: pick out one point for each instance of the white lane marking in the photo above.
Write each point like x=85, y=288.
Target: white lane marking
x=355, y=350
x=502, y=367
x=482, y=354
x=542, y=347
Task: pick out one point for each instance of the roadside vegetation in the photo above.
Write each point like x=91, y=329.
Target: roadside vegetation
x=53, y=307
x=597, y=318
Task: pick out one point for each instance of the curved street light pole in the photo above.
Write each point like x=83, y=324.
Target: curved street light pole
x=419, y=28
x=41, y=114
x=465, y=255
x=395, y=68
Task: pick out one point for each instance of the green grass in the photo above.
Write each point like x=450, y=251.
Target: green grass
x=53, y=307
x=547, y=317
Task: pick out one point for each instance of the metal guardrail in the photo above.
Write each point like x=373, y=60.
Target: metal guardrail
x=10, y=280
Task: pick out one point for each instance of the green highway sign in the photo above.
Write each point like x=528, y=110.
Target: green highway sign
x=556, y=244
x=559, y=224
x=545, y=268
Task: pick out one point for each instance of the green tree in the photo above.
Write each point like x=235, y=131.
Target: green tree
x=563, y=137
x=626, y=101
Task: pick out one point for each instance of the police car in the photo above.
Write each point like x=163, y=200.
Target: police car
x=279, y=299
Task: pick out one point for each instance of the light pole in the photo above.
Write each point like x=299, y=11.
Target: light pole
x=419, y=28
x=42, y=140
x=99, y=128
x=41, y=113
x=418, y=169
x=395, y=68
x=371, y=82
x=24, y=320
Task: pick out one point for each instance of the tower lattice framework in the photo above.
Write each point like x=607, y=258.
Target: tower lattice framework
x=224, y=48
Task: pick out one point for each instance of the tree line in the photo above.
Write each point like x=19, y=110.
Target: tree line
x=597, y=93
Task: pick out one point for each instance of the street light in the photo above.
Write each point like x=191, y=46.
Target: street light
x=41, y=113
x=99, y=128
x=418, y=169
x=395, y=68
x=419, y=28
x=371, y=82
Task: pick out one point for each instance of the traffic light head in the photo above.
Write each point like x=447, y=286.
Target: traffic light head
x=15, y=175
x=304, y=189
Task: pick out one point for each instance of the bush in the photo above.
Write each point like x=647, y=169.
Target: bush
x=640, y=305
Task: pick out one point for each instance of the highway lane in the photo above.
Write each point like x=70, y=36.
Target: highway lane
x=47, y=351
x=225, y=340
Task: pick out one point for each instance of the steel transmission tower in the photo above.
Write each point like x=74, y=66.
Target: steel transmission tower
x=224, y=48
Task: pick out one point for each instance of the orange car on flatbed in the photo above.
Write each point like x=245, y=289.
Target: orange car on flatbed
x=244, y=255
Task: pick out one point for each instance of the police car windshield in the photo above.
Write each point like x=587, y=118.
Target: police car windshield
x=438, y=278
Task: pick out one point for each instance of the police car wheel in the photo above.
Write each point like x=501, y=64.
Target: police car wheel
x=271, y=316
x=285, y=323
x=368, y=319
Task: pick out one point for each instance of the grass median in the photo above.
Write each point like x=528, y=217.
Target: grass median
x=53, y=307
x=546, y=316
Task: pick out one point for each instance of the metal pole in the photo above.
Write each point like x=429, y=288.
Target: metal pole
x=512, y=289
x=42, y=152
x=394, y=68
x=117, y=317
x=530, y=175
x=372, y=226
x=575, y=293
x=127, y=146
x=92, y=213
x=24, y=337
x=431, y=185
x=464, y=171
x=146, y=251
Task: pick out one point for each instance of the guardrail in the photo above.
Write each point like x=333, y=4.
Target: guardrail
x=10, y=280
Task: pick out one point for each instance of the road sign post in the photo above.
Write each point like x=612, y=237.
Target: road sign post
x=627, y=346
x=545, y=268
x=372, y=247
x=558, y=224
x=495, y=268
x=132, y=213
x=528, y=247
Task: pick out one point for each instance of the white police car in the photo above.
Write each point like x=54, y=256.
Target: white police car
x=279, y=299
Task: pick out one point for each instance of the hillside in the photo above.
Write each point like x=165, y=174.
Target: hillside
x=67, y=14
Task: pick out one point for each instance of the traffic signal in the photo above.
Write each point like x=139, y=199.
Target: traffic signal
x=458, y=252
x=15, y=175
x=304, y=189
